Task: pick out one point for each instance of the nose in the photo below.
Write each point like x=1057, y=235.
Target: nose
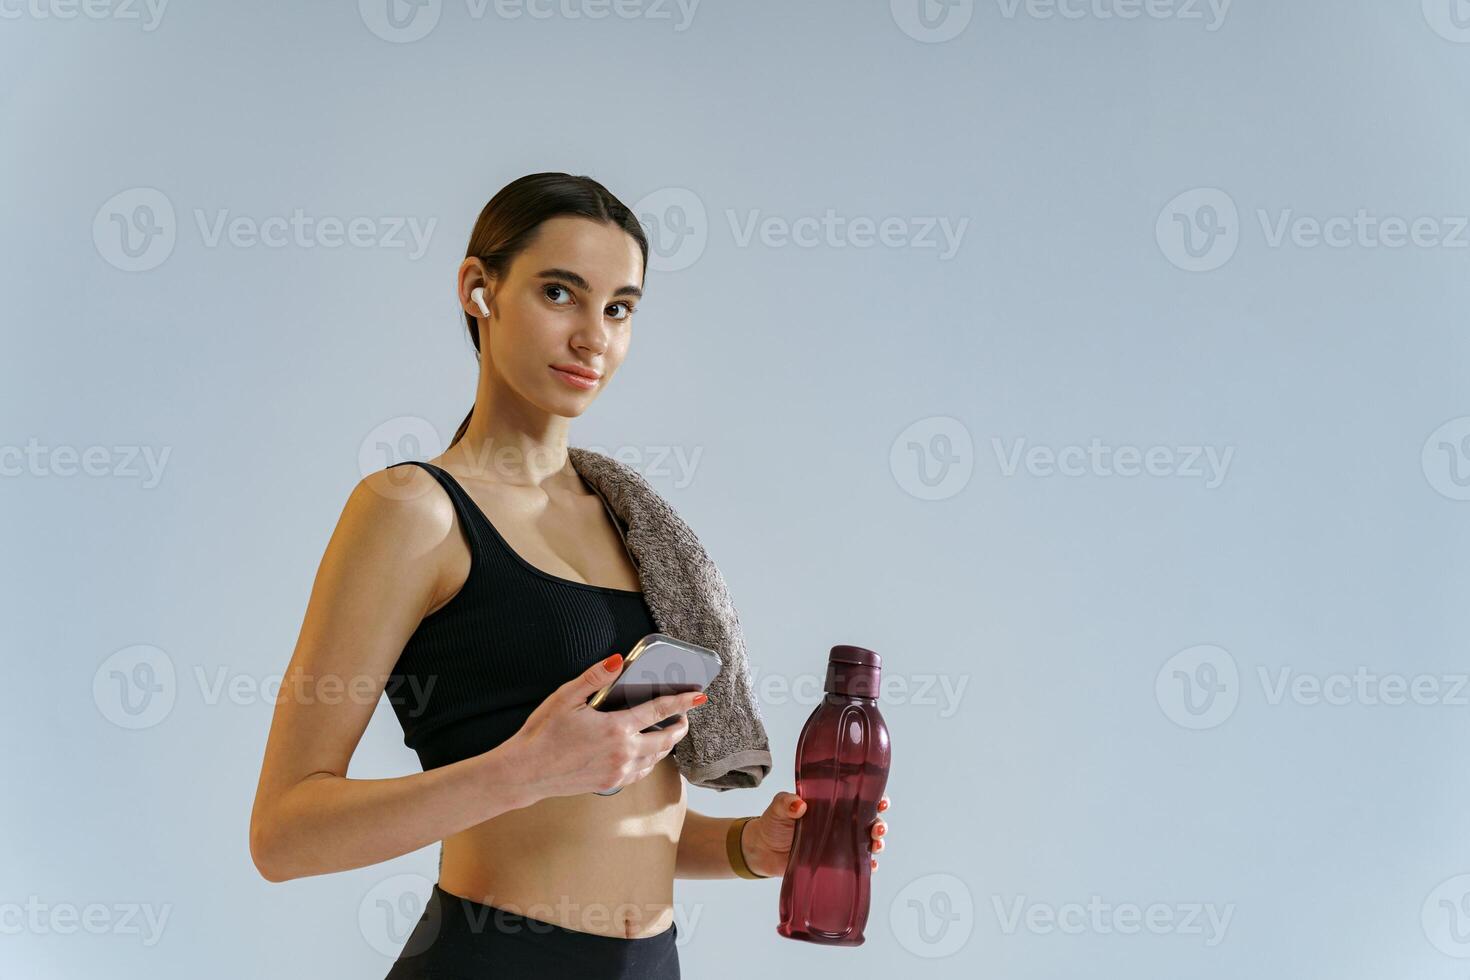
x=592, y=331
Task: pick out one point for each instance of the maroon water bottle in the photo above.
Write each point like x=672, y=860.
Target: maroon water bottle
x=841, y=769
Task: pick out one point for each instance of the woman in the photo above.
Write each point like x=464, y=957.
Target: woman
x=492, y=587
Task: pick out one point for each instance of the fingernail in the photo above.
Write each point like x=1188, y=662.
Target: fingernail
x=881, y=830
x=796, y=806
x=611, y=663
x=701, y=698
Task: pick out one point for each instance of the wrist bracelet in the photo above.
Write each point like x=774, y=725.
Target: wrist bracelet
x=734, y=850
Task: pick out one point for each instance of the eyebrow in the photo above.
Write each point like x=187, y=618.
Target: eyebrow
x=571, y=277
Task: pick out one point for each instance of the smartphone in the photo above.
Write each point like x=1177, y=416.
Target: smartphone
x=658, y=664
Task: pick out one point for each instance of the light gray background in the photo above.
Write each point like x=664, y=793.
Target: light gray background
x=848, y=407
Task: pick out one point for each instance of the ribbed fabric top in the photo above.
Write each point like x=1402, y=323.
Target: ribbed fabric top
x=475, y=668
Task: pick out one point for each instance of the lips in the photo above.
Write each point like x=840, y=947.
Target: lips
x=579, y=370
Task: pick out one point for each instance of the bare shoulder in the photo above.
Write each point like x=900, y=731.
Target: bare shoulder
x=400, y=503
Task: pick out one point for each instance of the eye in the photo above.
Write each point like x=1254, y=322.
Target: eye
x=556, y=285
x=628, y=310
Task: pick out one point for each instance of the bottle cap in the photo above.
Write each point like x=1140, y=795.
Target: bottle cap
x=853, y=671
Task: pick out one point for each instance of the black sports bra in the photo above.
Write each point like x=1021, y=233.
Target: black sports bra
x=476, y=667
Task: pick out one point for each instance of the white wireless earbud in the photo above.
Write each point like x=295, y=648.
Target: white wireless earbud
x=478, y=295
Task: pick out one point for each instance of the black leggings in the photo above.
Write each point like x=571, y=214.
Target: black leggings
x=458, y=938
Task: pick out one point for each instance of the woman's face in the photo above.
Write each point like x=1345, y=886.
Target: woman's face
x=567, y=300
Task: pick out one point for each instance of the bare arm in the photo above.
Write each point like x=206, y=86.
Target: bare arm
x=702, y=847
x=378, y=577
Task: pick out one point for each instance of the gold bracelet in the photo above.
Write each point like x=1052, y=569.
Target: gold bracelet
x=734, y=850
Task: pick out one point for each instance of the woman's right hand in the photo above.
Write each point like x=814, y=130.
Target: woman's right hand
x=567, y=747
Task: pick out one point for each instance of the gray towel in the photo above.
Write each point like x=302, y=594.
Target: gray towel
x=726, y=745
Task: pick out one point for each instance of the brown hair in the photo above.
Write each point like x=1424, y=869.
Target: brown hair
x=511, y=218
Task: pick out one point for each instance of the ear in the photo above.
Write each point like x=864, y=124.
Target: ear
x=476, y=288
x=477, y=296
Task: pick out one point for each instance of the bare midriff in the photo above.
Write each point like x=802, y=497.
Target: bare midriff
x=598, y=864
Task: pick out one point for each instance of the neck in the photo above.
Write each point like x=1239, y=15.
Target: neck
x=520, y=447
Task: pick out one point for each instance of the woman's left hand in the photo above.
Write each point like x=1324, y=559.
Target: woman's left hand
x=766, y=840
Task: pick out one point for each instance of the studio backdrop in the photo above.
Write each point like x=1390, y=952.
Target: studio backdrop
x=1101, y=364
